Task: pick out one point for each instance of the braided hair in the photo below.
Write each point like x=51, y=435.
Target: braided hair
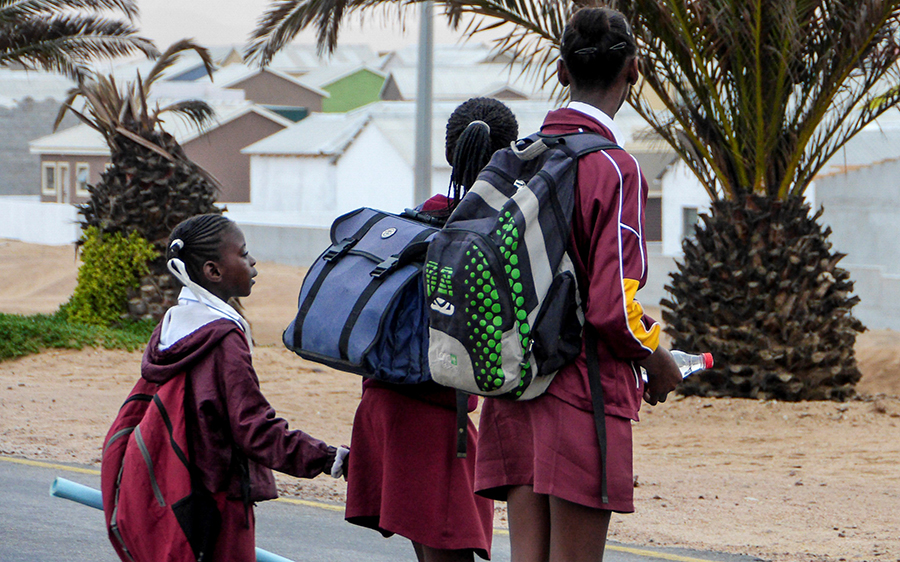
x=476, y=129
x=197, y=240
x=596, y=44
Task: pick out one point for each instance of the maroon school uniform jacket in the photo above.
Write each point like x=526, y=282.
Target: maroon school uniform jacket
x=228, y=418
x=610, y=257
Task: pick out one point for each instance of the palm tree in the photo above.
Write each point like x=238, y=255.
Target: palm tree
x=62, y=35
x=758, y=96
x=151, y=185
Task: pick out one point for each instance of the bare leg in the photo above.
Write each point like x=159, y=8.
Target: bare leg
x=420, y=551
x=529, y=525
x=577, y=533
x=428, y=554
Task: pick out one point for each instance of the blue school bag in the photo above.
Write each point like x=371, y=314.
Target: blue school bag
x=361, y=305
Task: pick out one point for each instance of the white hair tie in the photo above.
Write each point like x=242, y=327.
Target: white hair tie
x=479, y=122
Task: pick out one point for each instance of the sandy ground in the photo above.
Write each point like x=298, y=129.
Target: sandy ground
x=781, y=481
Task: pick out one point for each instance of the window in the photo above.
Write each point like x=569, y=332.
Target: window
x=62, y=179
x=82, y=176
x=48, y=178
x=690, y=217
x=653, y=219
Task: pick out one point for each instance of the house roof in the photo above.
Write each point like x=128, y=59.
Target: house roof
x=463, y=82
x=325, y=76
x=446, y=55
x=320, y=134
x=83, y=140
x=233, y=75
x=300, y=58
x=17, y=85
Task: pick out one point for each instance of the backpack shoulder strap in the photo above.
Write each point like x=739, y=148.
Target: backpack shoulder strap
x=577, y=144
x=581, y=143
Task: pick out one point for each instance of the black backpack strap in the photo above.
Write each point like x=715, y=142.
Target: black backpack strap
x=593, y=369
x=580, y=143
x=379, y=274
x=462, y=423
x=336, y=250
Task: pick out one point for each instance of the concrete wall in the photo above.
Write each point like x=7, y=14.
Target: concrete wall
x=296, y=246
x=862, y=207
x=27, y=219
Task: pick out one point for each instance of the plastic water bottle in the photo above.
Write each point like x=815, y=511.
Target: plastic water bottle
x=688, y=363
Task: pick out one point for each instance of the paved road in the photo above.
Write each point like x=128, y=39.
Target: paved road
x=37, y=527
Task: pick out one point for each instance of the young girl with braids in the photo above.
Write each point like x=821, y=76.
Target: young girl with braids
x=404, y=476
x=543, y=455
x=234, y=434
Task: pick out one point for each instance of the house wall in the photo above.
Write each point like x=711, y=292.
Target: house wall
x=680, y=191
x=390, y=91
x=356, y=90
x=219, y=153
x=265, y=88
x=67, y=189
x=371, y=173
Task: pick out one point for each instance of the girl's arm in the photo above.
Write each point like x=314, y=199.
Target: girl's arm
x=256, y=429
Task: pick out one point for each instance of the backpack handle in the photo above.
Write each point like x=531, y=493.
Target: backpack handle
x=534, y=148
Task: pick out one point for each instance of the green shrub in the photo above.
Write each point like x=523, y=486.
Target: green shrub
x=25, y=335
x=111, y=265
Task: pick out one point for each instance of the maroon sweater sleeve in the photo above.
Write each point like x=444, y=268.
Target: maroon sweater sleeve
x=256, y=429
x=608, y=229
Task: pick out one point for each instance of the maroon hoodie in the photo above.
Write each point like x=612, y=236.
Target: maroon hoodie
x=230, y=423
x=610, y=257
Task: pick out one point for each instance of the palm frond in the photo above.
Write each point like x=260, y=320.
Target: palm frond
x=171, y=55
x=12, y=11
x=197, y=112
x=64, y=43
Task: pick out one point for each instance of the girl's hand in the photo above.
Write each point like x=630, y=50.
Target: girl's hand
x=663, y=375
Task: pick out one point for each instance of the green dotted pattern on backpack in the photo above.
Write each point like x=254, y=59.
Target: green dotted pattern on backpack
x=439, y=281
x=484, y=320
x=508, y=241
x=431, y=277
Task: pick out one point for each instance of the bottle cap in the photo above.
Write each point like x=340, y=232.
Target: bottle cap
x=707, y=360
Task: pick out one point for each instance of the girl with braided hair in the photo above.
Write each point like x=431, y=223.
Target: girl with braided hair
x=543, y=456
x=404, y=476
x=234, y=435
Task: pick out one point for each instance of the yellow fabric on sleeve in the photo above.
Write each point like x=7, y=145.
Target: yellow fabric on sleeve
x=634, y=310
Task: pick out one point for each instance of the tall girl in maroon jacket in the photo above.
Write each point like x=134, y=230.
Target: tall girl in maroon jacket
x=235, y=436
x=404, y=476
x=542, y=456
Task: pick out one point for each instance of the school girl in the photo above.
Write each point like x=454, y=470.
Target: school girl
x=404, y=475
x=235, y=436
x=542, y=456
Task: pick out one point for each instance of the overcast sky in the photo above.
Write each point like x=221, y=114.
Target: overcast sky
x=223, y=22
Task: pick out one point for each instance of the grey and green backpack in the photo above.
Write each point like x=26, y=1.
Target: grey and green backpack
x=504, y=310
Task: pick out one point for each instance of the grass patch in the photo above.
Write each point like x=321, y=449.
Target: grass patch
x=25, y=335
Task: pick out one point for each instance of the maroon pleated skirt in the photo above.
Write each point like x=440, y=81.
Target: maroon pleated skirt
x=551, y=445
x=405, y=478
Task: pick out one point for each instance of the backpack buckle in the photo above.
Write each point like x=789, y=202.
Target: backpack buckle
x=339, y=249
x=385, y=266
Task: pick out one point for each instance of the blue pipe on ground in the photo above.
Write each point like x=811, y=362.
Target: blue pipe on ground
x=85, y=495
